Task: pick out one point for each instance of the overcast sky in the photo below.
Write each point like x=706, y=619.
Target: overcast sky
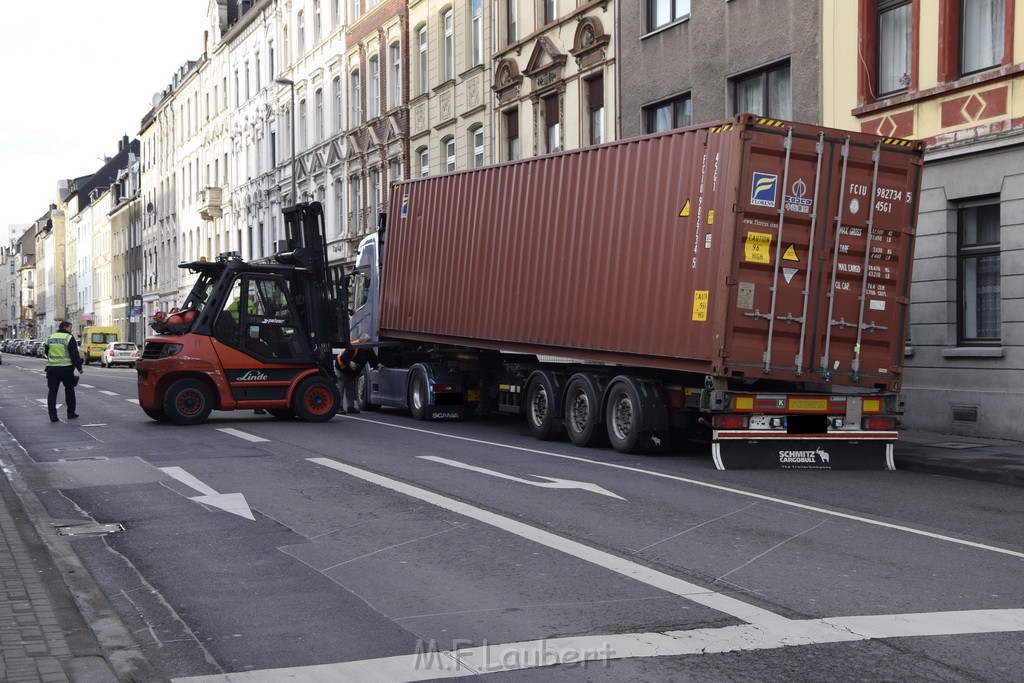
x=79, y=74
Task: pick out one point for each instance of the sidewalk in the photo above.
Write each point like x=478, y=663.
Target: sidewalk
x=44, y=637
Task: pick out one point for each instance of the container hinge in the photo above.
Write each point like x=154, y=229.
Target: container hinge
x=731, y=281
x=903, y=300
x=758, y=315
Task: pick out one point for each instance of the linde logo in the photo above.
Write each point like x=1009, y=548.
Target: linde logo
x=806, y=457
x=254, y=376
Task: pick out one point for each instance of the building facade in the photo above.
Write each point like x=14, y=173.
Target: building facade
x=704, y=60
x=950, y=72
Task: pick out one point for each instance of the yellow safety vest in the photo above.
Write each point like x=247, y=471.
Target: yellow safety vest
x=57, y=355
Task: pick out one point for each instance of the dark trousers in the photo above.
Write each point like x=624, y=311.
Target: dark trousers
x=54, y=378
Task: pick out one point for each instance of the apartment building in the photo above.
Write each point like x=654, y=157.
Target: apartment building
x=950, y=72
x=704, y=60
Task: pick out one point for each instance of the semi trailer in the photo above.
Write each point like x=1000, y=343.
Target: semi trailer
x=746, y=281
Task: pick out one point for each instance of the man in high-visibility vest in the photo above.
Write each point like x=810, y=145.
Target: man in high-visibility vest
x=62, y=359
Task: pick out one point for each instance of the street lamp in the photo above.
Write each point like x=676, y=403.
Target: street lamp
x=289, y=82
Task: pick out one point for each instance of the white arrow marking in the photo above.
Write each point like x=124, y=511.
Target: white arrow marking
x=228, y=502
x=551, y=483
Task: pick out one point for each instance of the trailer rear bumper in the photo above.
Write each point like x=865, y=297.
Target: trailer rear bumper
x=747, y=449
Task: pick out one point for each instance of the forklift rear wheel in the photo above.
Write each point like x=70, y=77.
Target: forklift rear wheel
x=188, y=402
x=281, y=413
x=316, y=400
x=156, y=413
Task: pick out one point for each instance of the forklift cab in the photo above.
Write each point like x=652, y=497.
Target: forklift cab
x=258, y=318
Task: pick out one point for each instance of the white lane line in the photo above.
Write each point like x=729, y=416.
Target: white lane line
x=551, y=483
x=242, y=435
x=430, y=663
x=637, y=572
x=133, y=400
x=717, y=487
x=109, y=393
x=86, y=386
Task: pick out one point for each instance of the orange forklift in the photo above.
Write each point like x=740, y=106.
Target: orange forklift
x=252, y=335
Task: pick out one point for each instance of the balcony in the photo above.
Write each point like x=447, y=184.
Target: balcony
x=210, y=202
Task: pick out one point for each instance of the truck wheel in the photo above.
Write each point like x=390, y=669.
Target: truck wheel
x=316, y=400
x=542, y=414
x=156, y=414
x=363, y=392
x=622, y=417
x=188, y=402
x=583, y=412
x=418, y=395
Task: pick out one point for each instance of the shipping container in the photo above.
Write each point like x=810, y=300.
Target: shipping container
x=753, y=272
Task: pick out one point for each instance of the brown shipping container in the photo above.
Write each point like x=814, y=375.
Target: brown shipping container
x=738, y=249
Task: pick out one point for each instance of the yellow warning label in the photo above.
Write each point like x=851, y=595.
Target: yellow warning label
x=711, y=217
x=790, y=254
x=700, y=304
x=757, y=247
x=686, y=210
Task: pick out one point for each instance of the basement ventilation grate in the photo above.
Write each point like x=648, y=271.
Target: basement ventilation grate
x=965, y=413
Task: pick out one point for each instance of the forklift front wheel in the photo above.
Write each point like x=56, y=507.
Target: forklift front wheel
x=188, y=402
x=316, y=400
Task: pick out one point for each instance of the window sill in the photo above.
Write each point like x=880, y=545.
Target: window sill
x=901, y=99
x=666, y=27
x=974, y=352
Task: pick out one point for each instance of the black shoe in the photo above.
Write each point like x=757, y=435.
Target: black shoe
x=54, y=419
x=72, y=416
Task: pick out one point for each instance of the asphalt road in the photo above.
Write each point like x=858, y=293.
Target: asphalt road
x=381, y=548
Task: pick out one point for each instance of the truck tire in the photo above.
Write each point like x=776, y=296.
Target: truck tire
x=418, y=396
x=583, y=412
x=156, y=414
x=363, y=392
x=188, y=402
x=316, y=400
x=543, y=417
x=622, y=417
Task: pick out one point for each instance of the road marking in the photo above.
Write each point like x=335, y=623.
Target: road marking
x=241, y=435
x=133, y=400
x=109, y=393
x=234, y=503
x=717, y=487
x=551, y=483
x=633, y=570
x=432, y=664
x=86, y=386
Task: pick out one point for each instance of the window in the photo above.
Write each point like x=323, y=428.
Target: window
x=374, y=194
x=550, y=11
x=674, y=113
x=373, y=88
x=339, y=124
x=353, y=10
x=395, y=75
x=335, y=13
x=595, y=109
x=982, y=27
x=317, y=23
x=423, y=82
x=355, y=98
x=355, y=202
x=303, y=126
x=319, y=115
x=448, y=153
x=664, y=12
x=449, y=47
x=238, y=94
x=511, y=134
x=396, y=170
x=552, y=127
x=285, y=48
x=477, y=30
x=270, y=61
x=764, y=93
x=511, y=21
x=476, y=139
x=339, y=202
x=424, y=162
x=893, y=46
x=300, y=38
x=979, y=320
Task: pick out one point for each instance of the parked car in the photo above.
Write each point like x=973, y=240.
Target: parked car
x=25, y=349
x=119, y=353
x=38, y=349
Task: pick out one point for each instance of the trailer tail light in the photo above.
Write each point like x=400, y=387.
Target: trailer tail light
x=729, y=421
x=442, y=388
x=879, y=424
